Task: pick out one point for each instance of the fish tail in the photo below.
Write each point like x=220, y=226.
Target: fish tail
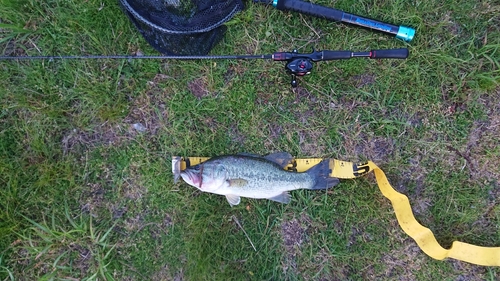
x=321, y=174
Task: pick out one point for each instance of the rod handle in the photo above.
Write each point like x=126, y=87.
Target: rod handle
x=401, y=32
x=336, y=55
x=402, y=53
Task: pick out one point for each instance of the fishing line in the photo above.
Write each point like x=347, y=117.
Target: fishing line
x=130, y=57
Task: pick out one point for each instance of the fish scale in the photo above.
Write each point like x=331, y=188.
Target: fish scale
x=267, y=176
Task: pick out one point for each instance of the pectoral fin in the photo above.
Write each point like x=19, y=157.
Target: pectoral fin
x=233, y=199
x=282, y=198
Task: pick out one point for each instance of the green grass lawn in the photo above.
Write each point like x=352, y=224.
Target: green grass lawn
x=85, y=196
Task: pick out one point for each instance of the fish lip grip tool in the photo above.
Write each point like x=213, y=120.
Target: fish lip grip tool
x=401, y=32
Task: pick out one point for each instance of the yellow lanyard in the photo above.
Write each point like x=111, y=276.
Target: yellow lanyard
x=488, y=256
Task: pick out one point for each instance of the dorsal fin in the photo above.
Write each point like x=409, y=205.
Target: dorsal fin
x=280, y=158
x=248, y=154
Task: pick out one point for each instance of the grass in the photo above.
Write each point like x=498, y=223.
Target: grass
x=85, y=196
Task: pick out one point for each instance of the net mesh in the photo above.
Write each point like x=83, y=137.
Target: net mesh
x=181, y=27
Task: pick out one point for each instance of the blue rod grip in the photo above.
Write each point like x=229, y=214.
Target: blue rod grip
x=401, y=32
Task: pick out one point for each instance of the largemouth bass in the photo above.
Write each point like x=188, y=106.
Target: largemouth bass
x=236, y=176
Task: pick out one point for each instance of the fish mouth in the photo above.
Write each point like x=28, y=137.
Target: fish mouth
x=192, y=178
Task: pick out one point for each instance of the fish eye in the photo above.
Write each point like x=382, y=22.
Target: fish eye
x=195, y=167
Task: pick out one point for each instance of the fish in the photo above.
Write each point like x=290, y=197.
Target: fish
x=255, y=176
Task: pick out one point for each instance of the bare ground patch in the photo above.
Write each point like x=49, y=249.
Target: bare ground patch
x=403, y=262
x=411, y=182
x=481, y=153
x=105, y=197
x=479, y=157
x=132, y=187
x=483, y=149
x=337, y=270
x=150, y=108
x=273, y=131
x=465, y=271
x=50, y=252
x=308, y=139
x=406, y=260
x=362, y=80
x=83, y=260
x=322, y=265
x=236, y=135
x=310, y=135
x=105, y=134
x=165, y=273
x=92, y=199
x=199, y=87
x=307, y=130
x=147, y=115
x=64, y=253
x=368, y=147
x=310, y=142
x=13, y=47
x=293, y=233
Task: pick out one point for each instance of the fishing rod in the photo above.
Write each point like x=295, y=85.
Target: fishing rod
x=297, y=64
x=401, y=32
